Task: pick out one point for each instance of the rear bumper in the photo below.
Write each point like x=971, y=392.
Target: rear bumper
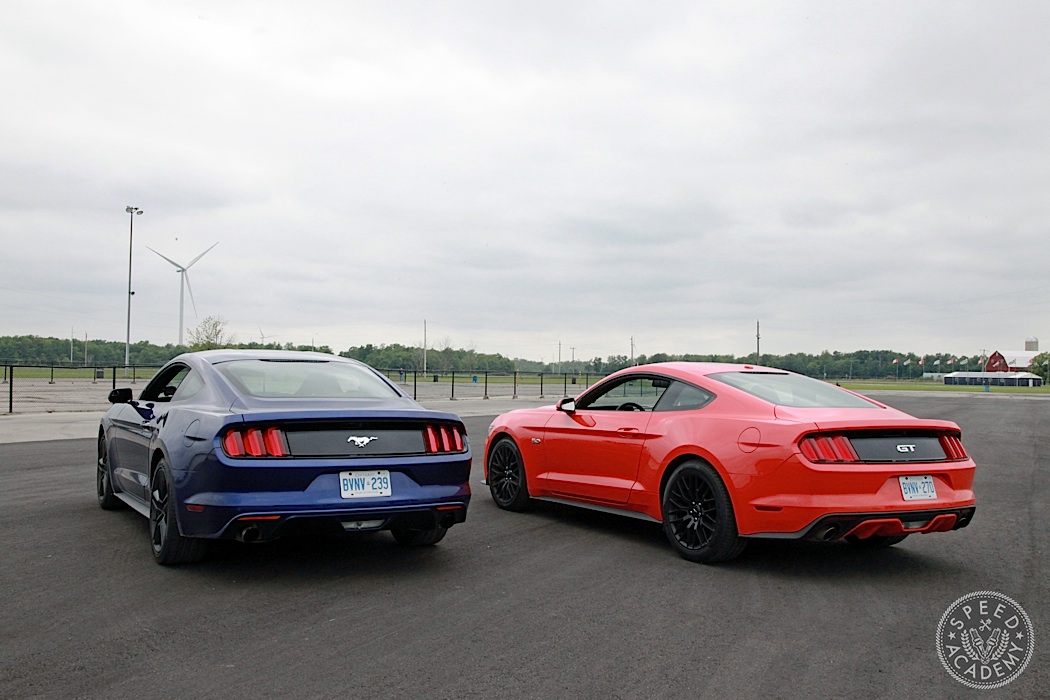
x=259, y=527
x=863, y=525
x=260, y=524
x=269, y=514
x=223, y=502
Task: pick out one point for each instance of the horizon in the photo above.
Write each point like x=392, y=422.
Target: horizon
x=904, y=357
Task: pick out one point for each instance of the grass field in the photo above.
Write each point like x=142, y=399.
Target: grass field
x=69, y=373
x=142, y=374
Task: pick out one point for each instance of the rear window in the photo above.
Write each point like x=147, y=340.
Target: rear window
x=795, y=390
x=316, y=379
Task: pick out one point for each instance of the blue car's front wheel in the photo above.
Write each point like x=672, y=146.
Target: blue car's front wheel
x=107, y=500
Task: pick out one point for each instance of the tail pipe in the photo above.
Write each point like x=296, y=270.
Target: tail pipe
x=249, y=534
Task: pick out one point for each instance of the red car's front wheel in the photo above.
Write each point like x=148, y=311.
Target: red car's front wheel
x=506, y=476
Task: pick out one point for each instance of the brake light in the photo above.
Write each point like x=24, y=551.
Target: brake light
x=442, y=438
x=828, y=448
x=255, y=442
x=953, y=447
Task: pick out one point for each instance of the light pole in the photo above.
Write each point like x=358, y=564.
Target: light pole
x=132, y=211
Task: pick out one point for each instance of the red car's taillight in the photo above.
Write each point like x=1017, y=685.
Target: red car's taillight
x=828, y=448
x=442, y=438
x=835, y=448
x=255, y=442
x=953, y=447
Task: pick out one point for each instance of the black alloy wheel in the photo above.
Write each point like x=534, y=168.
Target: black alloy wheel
x=107, y=500
x=168, y=544
x=698, y=515
x=506, y=476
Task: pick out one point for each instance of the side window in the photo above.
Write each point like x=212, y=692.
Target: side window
x=189, y=387
x=163, y=386
x=683, y=397
x=629, y=394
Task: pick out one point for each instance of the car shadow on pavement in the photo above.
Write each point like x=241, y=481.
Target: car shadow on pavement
x=300, y=559
x=321, y=557
x=799, y=559
x=780, y=557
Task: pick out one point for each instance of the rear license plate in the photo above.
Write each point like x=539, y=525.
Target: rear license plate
x=371, y=484
x=918, y=488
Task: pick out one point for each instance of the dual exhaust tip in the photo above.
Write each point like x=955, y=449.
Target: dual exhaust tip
x=826, y=533
x=249, y=534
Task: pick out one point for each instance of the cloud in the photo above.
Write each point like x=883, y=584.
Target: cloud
x=854, y=176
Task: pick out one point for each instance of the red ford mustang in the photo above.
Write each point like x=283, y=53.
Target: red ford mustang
x=719, y=453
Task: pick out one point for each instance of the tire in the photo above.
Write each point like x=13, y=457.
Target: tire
x=506, y=476
x=698, y=515
x=419, y=538
x=877, y=541
x=169, y=546
x=107, y=500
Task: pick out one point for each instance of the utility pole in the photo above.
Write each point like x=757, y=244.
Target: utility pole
x=632, y=351
x=132, y=211
x=572, y=363
x=758, y=346
x=424, y=348
x=559, y=357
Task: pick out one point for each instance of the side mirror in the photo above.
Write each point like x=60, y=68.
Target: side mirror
x=120, y=396
x=568, y=405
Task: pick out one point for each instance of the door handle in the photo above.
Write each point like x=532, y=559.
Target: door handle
x=628, y=431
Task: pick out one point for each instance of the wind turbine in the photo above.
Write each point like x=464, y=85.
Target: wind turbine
x=184, y=283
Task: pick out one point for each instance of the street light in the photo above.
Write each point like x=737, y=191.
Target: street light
x=132, y=211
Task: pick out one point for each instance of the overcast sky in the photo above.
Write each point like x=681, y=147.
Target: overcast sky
x=853, y=175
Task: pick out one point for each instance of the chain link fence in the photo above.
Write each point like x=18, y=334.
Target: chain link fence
x=52, y=389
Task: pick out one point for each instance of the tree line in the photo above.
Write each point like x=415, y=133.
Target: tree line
x=859, y=364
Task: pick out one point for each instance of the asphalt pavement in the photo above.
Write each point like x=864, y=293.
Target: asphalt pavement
x=557, y=602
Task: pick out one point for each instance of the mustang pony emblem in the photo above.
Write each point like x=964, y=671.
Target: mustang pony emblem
x=361, y=441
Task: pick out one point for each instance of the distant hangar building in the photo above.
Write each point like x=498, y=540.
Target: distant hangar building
x=1007, y=368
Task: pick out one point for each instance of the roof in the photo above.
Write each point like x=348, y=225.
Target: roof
x=1019, y=358
x=995, y=375
x=226, y=355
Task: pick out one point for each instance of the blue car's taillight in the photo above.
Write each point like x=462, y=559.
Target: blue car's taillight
x=255, y=442
x=442, y=438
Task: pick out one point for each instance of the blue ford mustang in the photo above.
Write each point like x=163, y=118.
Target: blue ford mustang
x=249, y=445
